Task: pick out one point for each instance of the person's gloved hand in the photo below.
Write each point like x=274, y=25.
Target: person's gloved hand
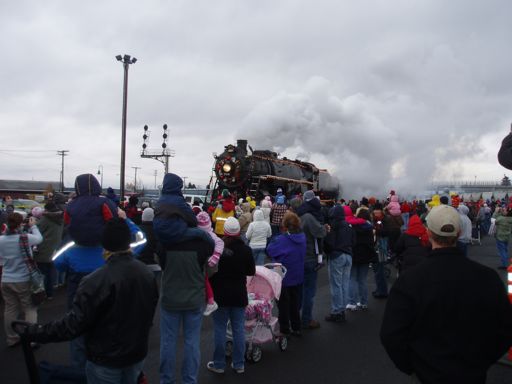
x=27, y=331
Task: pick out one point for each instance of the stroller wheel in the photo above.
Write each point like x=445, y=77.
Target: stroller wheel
x=282, y=343
x=256, y=354
x=229, y=348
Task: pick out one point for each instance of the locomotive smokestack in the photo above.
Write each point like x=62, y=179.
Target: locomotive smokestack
x=242, y=146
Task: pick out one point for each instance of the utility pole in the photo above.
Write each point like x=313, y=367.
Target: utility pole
x=155, y=174
x=184, y=181
x=62, y=154
x=126, y=60
x=135, y=186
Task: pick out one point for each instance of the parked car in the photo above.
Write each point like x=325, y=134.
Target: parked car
x=25, y=205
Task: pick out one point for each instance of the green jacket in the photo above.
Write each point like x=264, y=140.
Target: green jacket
x=51, y=226
x=503, y=226
x=183, y=276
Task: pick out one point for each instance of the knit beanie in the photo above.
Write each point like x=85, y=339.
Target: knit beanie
x=116, y=235
x=203, y=221
x=309, y=195
x=148, y=214
x=37, y=212
x=225, y=193
x=231, y=227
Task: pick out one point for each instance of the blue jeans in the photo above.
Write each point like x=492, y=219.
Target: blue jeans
x=502, y=251
x=405, y=218
x=99, y=374
x=236, y=316
x=259, y=255
x=308, y=291
x=358, y=292
x=339, y=280
x=170, y=322
x=48, y=270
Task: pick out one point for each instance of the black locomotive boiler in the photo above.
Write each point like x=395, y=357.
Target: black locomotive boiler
x=262, y=172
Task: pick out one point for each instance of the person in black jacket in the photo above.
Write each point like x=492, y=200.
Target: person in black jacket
x=413, y=245
x=448, y=319
x=363, y=253
x=338, y=245
x=230, y=291
x=113, y=308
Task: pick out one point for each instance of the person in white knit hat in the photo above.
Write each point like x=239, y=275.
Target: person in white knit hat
x=229, y=287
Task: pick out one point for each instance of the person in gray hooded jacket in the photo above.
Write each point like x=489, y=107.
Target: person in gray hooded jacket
x=465, y=230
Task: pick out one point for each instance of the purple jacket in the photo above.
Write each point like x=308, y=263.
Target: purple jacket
x=290, y=250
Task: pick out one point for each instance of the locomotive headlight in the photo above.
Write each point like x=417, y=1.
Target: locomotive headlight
x=226, y=168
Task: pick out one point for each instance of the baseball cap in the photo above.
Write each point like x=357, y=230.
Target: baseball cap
x=444, y=220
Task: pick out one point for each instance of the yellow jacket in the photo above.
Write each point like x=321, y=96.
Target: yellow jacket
x=219, y=217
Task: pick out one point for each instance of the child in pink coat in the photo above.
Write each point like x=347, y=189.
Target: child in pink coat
x=394, y=206
x=205, y=224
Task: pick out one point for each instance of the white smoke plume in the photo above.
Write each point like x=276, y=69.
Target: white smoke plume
x=372, y=144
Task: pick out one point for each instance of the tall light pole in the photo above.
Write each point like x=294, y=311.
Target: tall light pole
x=62, y=154
x=126, y=60
x=101, y=173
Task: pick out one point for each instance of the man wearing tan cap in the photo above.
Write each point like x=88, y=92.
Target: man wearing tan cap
x=447, y=319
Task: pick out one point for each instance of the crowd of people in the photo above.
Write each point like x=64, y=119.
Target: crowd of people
x=195, y=261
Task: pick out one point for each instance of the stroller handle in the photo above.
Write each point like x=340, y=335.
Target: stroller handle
x=278, y=266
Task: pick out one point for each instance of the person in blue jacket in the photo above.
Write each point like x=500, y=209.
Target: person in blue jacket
x=289, y=249
x=174, y=220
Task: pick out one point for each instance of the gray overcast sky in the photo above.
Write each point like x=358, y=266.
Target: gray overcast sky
x=385, y=94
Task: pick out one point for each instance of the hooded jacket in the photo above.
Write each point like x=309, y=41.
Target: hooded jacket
x=258, y=231
x=289, y=249
x=87, y=213
x=465, y=230
x=51, y=227
x=174, y=219
x=394, y=206
x=313, y=228
x=245, y=218
x=341, y=238
x=412, y=247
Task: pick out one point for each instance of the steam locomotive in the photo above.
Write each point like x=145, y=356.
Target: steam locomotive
x=262, y=172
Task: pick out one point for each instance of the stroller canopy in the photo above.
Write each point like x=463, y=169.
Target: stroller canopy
x=266, y=283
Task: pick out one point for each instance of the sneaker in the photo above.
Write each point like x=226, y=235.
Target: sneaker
x=336, y=317
x=210, y=308
x=211, y=367
x=237, y=370
x=362, y=306
x=352, y=307
x=313, y=324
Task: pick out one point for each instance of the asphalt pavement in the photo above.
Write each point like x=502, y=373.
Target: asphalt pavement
x=335, y=353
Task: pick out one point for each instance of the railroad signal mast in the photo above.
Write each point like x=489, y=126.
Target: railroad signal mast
x=159, y=155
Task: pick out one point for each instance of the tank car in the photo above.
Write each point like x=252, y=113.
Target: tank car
x=262, y=172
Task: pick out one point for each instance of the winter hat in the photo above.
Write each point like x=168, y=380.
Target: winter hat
x=444, y=220
x=231, y=227
x=309, y=195
x=51, y=207
x=364, y=201
x=203, y=220
x=444, y=200
x=225, y=193
x=37, y=212
x=148, y=214
x=116, y=235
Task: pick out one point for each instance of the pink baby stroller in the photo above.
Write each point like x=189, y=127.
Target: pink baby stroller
x=261, y=326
